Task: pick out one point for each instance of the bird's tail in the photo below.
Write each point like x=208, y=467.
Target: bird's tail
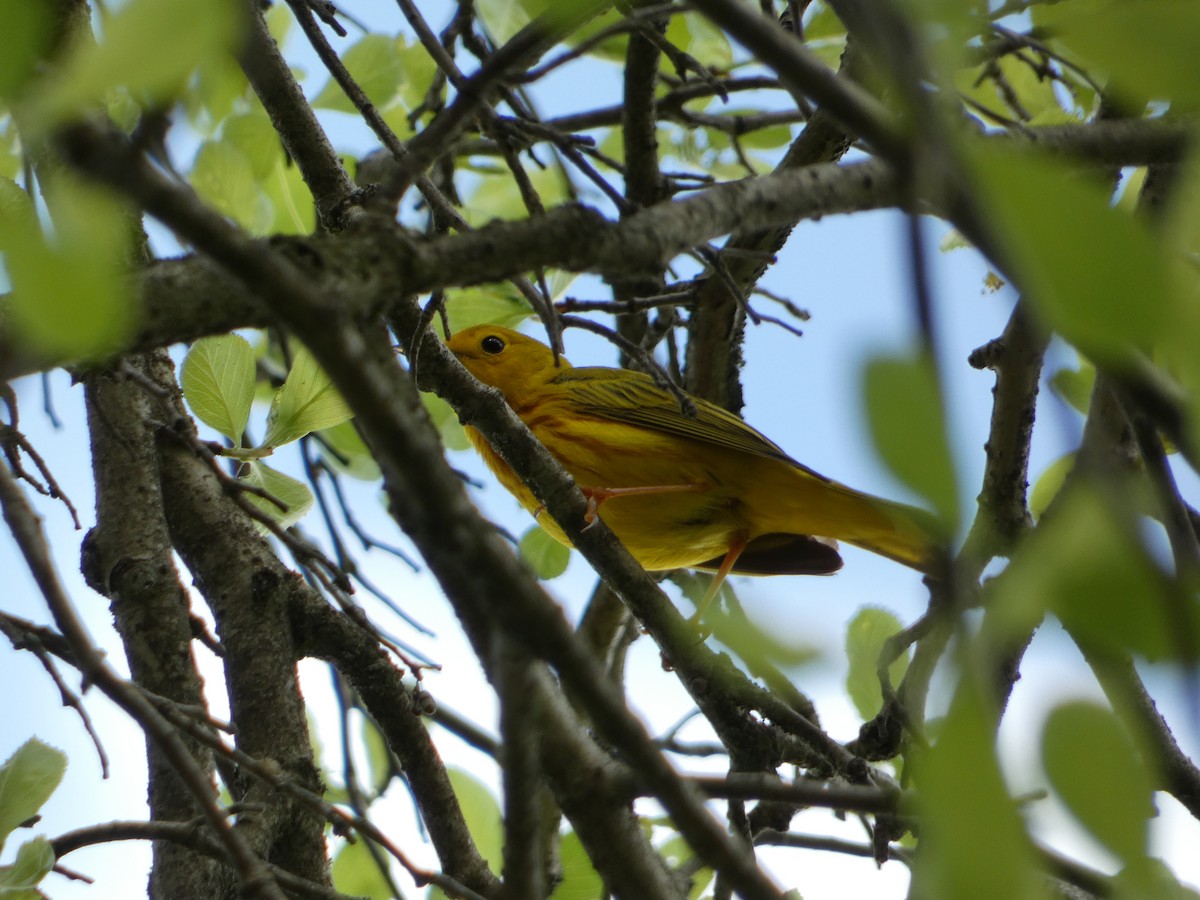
x=827, y=509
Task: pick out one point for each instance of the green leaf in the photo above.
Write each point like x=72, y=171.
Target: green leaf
x=865, y=636
x=498, y=197
x=905, y=410
x=1075, y=385
x=695, y=35
x=355, y=872
x=580, y=879
x=1086, y=564
x=70, y=298
x=1094, y=273
x=224, y=177
x=493, y=304
x=542, y=553
x=1049, y=483
x=27, y=779
x=376, y=66
x=1095, y=768
x=149, y=47
x=379, y=758
x=256, y=138
x=291, y=492
x=217, y=378
x=308, y=401
x=291, y=200
x=482, y=814
x=17, y=216
x=348, y=453
x=445, y=420
x=28, y=30
x=972, y=840
x=35, y=859
x=1148, y=47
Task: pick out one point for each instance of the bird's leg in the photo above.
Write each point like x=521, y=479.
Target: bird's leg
x=731, y=557
x=596, y=496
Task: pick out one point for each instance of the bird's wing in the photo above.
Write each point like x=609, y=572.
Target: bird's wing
x=634, y=399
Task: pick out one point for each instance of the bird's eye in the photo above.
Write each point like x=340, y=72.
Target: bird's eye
x=492, y=344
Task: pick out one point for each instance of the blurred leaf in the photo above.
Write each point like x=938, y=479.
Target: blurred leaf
x=1096, y=770
x=291, y=200
x=482, y=814
x=1030, y=89
x=28, y=30
x=445, y=420
x=224, y=176
x=865, y=636
x=1091, y=570
x=695, y=35
x=27, y=779
x=419, y=70
x=1075, y=385
x=217, y=378
x=375, y=64
x=69, y=293
x=288, y=490
x=498, y=197
x=580, y=879
x=35, y=859
x=149, y=47
x=1149, y=878
x=219, y=83
x=905, y=410
x=348, y=453
x=1148, y=47
x=1046, y=488
x=379, y=757
x=493, y=304
x=17, y=215
x=1095, y=274
x=356, y=874
x=543, y=554
x=965, y=808
x=308, y=401
x=256, y=138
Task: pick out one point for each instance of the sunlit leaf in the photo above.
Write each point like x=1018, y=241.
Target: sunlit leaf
x=492, y=304
x=907, y=423
x=1049, y=483
x=695, y=35
x=308, y=401
x=294, y=494
x=865, y=637
x=224, y=176
x=580, y=880
x=27, y=779
x=356, y=874
x=482, y=814
x=542, y=553
x=1095, y=768
x=218, y=378
x=35, y=859
x=375, y=64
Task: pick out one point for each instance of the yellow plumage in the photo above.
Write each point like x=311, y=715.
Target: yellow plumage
x=719, y=495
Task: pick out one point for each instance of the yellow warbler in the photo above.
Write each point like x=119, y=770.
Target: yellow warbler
x=704, y=491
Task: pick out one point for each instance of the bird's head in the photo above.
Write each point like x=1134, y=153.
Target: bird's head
x=505, y=359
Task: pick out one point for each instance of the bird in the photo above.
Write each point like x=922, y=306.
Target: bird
x=681, y=491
